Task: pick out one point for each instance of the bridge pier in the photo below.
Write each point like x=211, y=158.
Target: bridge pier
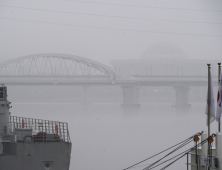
x=182, y=98
x=130, y=96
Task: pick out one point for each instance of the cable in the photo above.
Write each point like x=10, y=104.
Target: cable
x=185, y=143
x=155, y=155
x=168, y=160
x=206, y=140
x=108, y=16
x=185, y=152
x=173, y=162
x=140, y=6
x=165, y=156
x=142, y=165
x=177, y=156
x=108, y=28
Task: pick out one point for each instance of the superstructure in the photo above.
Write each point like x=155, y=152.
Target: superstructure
x=32, y=144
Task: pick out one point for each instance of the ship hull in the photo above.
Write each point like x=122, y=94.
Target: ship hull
x=36, y=156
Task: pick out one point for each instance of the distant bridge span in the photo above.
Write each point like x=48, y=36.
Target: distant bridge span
x=64, y=69
x=57, y=69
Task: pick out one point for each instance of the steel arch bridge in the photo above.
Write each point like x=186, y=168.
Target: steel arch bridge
x=56, y=68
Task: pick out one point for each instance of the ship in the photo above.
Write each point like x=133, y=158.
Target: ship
x=32, y=144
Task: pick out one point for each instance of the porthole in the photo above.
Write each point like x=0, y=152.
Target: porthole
x=48, y=165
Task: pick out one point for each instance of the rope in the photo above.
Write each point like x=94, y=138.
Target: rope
x=143, y=165
x=185, y=152
x=172, y=162
x=206, y=140
x=185, y=143
x=158, y=153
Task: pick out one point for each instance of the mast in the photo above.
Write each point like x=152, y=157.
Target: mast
x=219, y=70
x=208, y=108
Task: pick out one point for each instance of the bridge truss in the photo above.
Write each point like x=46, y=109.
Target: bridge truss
x=48, y=68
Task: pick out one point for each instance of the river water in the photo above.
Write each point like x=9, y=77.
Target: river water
x=107, y=137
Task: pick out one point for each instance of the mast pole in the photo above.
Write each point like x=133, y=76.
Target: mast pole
x=208, y=109
x=219, y=70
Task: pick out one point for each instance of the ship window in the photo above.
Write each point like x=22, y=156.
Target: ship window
x=48, y=165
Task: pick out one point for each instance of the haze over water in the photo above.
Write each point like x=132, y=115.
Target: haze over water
x=105, y=137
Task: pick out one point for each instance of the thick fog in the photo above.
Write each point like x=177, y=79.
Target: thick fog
x=135, y=38
x=107, y=30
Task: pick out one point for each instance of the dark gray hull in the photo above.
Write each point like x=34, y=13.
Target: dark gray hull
x=36, y=156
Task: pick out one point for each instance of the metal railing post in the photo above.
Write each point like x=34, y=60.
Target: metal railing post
x=187, y=161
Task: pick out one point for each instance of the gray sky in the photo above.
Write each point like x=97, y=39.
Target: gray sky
x=86, y=28
x=104, y=30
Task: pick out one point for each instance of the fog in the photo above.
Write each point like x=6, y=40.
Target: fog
x=104, y=133
x=105, y=137
x=91, y=30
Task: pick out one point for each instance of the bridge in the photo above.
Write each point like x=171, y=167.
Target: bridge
x=64, y=69
x=47, y=69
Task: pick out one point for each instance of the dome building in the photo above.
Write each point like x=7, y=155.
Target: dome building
x=164, y=51
x=166, y=67
x=163, y=59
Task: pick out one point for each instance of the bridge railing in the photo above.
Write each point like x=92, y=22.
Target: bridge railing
x=162, y=70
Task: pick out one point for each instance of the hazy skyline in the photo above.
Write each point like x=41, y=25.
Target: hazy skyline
x=111, y=125
x=107, y=30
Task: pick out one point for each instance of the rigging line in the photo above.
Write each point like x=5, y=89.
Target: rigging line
x=182, y=155
x=108, y=28
x=143, y=165
x=172, y=162
x=108, y=16
x=185, y=143
x=148, y=164
x=155, y=155
x=188, y=150
x=141, y=6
